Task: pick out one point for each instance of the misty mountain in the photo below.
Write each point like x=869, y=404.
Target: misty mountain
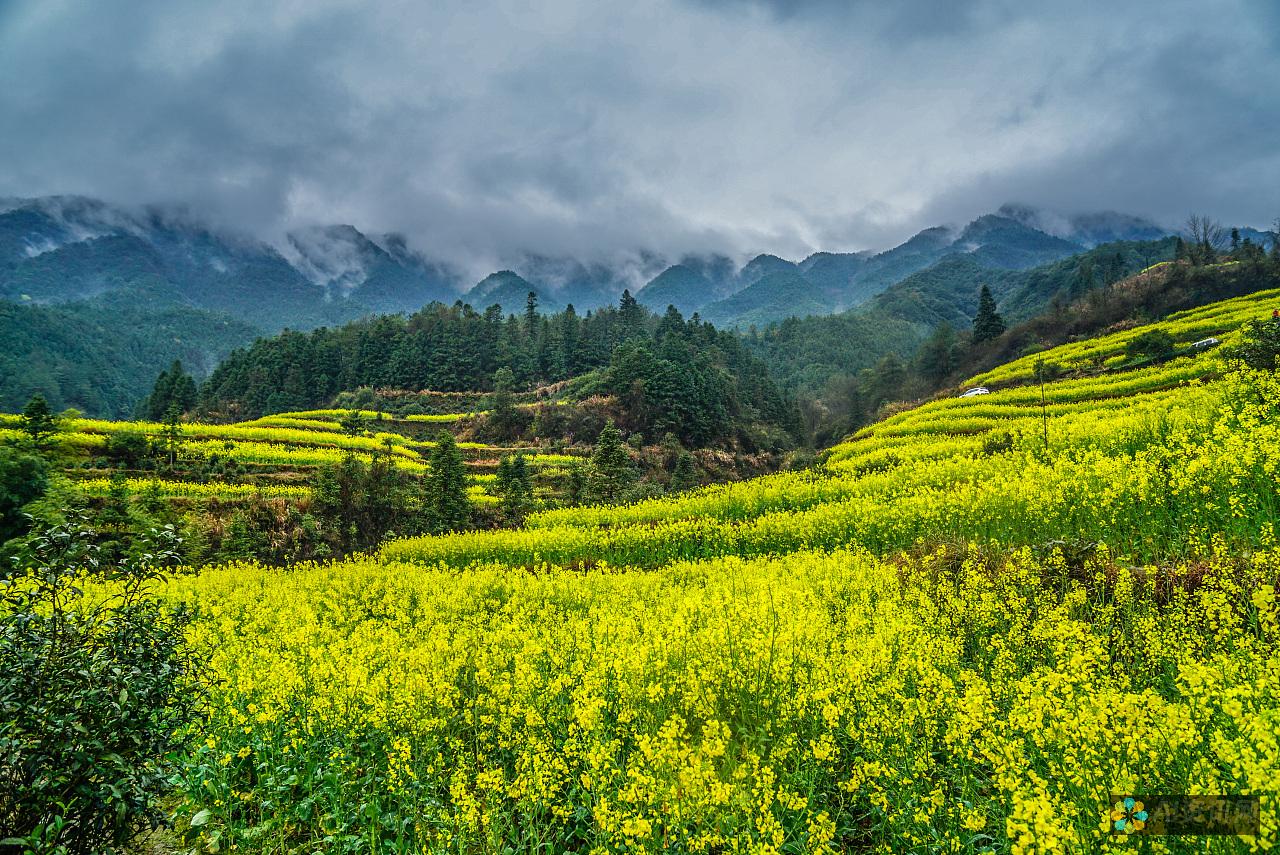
x=780, y=294
x=825, y=283
x=59, y=249
x=508, y=290
x=761, y=266
x=139, y=278
x=1088, y=230
x=834, y=272
x=805, y=353
x=385, y=278
x=997, y=241
x=679, y=286
x=63, y=249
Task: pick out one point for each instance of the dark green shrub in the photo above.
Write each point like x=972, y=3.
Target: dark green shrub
x=128, y=448
x=997, y=443
x=1259, y=345
x=23, y=479
x=1153, y=344
x=95, y=692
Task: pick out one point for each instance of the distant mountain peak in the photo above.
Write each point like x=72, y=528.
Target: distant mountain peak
x=763, y=265
x=336, y=257
x=1088, y=228
x=509, y=290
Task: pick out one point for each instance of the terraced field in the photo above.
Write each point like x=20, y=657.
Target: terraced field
x=980, y=621
x=276, y=451
x=1211, y=321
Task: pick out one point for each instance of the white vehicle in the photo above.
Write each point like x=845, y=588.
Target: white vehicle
x=976, y=390
x=1205, y=342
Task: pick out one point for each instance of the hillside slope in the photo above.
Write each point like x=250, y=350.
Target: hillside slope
x=101, y=356
x=806, y=353
x=983, y=605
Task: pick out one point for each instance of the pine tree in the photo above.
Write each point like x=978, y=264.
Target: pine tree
x=672, y=324
x=684, y=476
x=521, y=481
x=157, y=403
x=445, y=487
x=514, y=487
x=172, y=388
x=172, y=433
x=576, y=485
x=353, y=423
x=531, y=314
x=988, y=324
x=570, y=342
x=502, y=478
x=630, y=318
x=504, y=421
x=611, y=467
x=38, y=421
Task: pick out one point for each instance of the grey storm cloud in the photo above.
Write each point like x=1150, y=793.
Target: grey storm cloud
x=592, y=127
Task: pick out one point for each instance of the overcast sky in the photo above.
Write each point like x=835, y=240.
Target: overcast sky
x=594, y=127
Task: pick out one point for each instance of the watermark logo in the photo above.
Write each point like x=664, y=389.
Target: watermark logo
x=1166, y=815
x=1128, y=815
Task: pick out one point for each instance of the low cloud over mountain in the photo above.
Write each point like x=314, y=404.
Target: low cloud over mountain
x=593, y=131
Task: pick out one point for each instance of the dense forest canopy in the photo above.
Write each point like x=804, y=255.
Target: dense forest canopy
x=679, y=376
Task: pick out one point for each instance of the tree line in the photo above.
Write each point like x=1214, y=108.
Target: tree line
x=678, y=376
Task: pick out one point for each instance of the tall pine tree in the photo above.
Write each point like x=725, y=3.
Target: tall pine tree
x=38, y=422
x=445, y=488
x=631, y=317
x=685, y=475
x=515, y=487
x=988, y=324
x=173, y=388
x=611, y=469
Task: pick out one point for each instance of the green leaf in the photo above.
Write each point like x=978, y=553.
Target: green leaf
x=200, y=818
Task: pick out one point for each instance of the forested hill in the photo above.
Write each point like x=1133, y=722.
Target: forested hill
x=673, y=375
x=820, y=360
x=804, y=354
x=101, y=355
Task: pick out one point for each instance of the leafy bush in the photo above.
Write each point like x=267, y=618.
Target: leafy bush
x=1259, y=345
x=23, y=478
x=129, y=448
x=96, y=686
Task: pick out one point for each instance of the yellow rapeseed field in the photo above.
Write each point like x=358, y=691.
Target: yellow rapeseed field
x=959, y=637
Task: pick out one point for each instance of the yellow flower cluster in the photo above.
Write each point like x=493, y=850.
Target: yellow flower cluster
x=193, y=489
x=1213, y=320
x=959, y=637
x=816, y=702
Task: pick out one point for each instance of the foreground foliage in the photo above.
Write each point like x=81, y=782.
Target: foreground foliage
x=93, y=693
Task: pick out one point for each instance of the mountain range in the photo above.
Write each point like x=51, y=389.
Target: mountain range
x=151, y=285
x=65, y=248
